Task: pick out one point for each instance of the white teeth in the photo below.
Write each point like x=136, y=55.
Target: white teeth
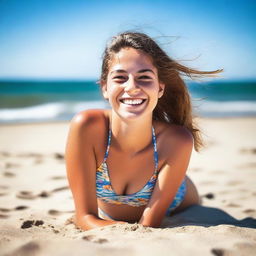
x=132, y=102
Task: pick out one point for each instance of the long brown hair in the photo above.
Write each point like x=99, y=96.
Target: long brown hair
x=175, y=104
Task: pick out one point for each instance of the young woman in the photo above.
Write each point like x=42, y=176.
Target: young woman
x=128, y=164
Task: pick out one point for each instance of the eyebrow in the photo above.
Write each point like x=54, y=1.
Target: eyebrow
x=118, y=71
x=146, y=70
x=140, y=71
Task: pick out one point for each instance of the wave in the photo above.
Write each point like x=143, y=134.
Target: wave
x=63, y=111
x=48, y=112
x=226, y=108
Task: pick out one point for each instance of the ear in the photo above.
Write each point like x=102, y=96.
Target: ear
x=161, y=90
x=104, y=91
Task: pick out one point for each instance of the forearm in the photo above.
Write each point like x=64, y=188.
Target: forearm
x=91, y=221
x=148, y=219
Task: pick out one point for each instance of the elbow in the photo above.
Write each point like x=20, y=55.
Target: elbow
x=151, y=225
x=83, y=222
x=80, y=224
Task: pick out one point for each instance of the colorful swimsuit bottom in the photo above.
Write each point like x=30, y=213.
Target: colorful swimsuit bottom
x=106, y=193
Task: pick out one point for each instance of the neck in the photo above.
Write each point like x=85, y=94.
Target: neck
x=131, y=136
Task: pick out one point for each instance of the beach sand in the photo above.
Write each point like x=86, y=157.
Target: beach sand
x=36, y=204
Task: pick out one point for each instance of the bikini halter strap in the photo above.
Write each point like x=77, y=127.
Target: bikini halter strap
x=154, y=144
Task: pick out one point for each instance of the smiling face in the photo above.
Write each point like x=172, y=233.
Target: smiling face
x=132, y=85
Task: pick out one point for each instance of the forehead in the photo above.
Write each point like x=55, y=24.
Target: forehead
x=130, y=60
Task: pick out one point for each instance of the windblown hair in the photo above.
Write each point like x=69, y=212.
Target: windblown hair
x=175, y=105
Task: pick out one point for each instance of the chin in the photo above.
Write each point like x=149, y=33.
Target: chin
x=132, y=116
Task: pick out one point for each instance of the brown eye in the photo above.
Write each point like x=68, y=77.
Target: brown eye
x=145, y=77
x=119, y=77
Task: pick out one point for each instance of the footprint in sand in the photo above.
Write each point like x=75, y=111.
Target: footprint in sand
x=4, y=153
x=58, y=177
x=209, y=195
x=9, y=174
x=26, y=195
x=218, y=251
x=249, y=211
x=38, y=161
x=248, y=150
x=3, y=187
x=247, y=165
x=11, y=165
x=57, y=212
x=31, y=223
x=234, y=182
x=233, y=205
x=59, y=156
x=93, y=239
x=4, y=216
x=17, y=208
x=30, y=195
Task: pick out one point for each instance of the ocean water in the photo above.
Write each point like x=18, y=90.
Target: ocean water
x=39, y=101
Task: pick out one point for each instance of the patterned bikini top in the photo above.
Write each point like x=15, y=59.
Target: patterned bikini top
x=104, y=188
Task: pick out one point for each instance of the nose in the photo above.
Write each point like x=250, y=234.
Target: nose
x=131, y=86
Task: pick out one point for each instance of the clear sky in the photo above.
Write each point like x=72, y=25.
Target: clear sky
x=64, y=39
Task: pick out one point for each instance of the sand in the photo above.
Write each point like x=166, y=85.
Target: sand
x=36, y=204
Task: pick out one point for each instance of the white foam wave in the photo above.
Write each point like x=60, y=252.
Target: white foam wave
x=228, y=107
x=48, y=111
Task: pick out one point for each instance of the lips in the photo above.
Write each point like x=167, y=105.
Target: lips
x=132, y=102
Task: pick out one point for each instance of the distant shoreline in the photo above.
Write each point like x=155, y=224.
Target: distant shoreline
x=29, y=101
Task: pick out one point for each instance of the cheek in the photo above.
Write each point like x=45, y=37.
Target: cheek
x=112, y=92
x=154, y=94
x=153, y=90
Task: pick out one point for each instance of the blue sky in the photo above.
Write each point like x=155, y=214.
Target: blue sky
x=65, y=39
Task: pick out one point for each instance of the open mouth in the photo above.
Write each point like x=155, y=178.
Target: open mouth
x=133, y=102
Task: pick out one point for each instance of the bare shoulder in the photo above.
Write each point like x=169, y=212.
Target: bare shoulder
x=87, y=134
x=174, y=133
x=87, y=118
x=181, y=135
x=174, y=139
x=89, y=121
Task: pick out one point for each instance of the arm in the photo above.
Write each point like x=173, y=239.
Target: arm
x=169, y=179
x=81, y=169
